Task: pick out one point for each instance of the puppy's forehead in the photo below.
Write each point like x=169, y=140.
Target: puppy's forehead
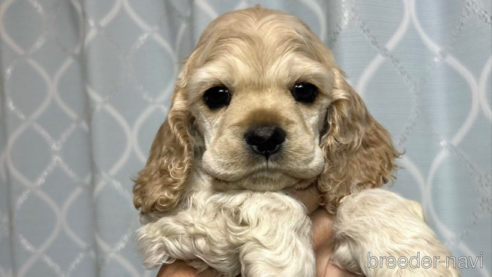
x=256, y=40
x=257, y=49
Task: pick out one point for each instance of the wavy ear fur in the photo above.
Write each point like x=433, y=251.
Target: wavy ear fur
x=359, y=152
x=161, y=183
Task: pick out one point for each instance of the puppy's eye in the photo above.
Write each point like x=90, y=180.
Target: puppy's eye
x=304, y=92
x=217, y=97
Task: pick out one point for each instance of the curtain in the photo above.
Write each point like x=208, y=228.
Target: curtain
x=86, y=84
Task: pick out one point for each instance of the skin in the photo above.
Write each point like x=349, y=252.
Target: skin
x=322, y=242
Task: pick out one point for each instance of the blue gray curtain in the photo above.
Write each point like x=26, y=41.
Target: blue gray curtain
x=85, y=85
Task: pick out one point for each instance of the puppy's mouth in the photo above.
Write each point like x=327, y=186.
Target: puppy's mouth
x=290, y=169
x=262, y=180
x=259, y=174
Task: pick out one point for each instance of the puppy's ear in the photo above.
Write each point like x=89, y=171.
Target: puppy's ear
x=359, y=152
x=160, y=185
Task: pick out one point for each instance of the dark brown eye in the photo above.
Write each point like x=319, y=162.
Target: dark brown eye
x=304, y=92
x=217, y=97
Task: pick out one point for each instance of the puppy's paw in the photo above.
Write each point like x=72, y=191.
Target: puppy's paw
x=343, y=258
x=157, y=240
x=262, y=264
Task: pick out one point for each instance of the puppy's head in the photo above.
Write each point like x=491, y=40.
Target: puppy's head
x=271, y=110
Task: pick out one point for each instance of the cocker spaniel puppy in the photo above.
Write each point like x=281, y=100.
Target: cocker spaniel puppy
x=381, y=234
x=259, y=107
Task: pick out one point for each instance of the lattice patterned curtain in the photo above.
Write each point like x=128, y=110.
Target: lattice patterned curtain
x=85, y=85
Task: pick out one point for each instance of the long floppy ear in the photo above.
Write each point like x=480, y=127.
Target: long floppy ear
x=359, y=152
x=160, y=185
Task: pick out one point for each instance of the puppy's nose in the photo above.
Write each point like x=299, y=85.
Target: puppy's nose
x=265, y=140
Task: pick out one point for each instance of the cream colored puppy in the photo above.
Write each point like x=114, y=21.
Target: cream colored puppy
x=377, y=232
x=259, y=107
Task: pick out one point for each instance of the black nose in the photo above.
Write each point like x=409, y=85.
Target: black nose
x=265, y=140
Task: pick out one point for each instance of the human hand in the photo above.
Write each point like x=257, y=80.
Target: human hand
x=322, y=225
x=181, y=269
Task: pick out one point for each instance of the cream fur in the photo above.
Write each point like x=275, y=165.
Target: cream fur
x=238, y=232
x=207, y=199
x=383, y=223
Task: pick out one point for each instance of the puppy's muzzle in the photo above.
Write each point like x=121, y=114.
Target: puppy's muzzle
x=265, y=140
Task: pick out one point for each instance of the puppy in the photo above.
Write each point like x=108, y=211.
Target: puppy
x=259, y=107
x=377, y=232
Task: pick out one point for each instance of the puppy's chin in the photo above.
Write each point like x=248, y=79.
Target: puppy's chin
x=262, y=181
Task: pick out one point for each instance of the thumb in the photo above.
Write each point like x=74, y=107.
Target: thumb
x=322, y=224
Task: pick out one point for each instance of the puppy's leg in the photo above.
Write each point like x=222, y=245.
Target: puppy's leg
x=192, y=236
x=275, y=234
x=256, y=234
x=343, y=257
x=378, y=233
